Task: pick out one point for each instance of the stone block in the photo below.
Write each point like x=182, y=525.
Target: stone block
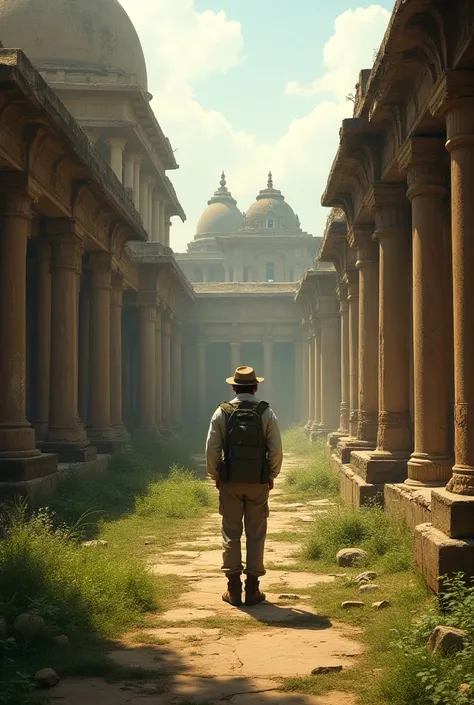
x=446, y=640
x=378, y=470
x=356, y=492
x=411, y=503
x=346, y=446
x=70, y=452
x=452, y=514
x=25, y=469
x=437, y=555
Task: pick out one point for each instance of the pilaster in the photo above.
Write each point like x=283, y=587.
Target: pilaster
x=120, y=433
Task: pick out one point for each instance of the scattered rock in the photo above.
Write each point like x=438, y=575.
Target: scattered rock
x=323, y=670
x=352, y=604
x=369, y=588
x=150, y=540
x=3, y=628
x=382, y=605
x=351, y=557
x=464, y=688
x=446, y=640
x=289, y=596
x=149, y=689
x=46, y=678
x=62, y=640
x=367, y=577
x=98, y=543
x=28, y=625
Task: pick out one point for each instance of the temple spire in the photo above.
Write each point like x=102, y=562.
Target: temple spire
x=223, y=181
x=270, y=180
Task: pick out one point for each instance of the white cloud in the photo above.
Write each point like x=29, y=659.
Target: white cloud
x=183, y=46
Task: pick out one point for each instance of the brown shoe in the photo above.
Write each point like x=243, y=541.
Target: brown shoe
x=233, y=594
x=253, y=595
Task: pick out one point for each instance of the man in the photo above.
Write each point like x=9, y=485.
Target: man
x=244, y=456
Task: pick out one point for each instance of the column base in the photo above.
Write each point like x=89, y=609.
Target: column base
x=121, y=433
x=346, y=446
x=452, y=514
x=15, y=469
x=308, y=428
x=41, y=430
x=144, y=434
x=336, y=437
x=379, y=467
x=462, y=481
x=438, y=556
x=355, y=491
x=70, y=452
x=428, y=470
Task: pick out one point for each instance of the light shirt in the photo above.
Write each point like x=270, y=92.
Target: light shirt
x=216, y=437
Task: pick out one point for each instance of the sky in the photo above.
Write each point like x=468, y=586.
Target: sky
x=249, y=87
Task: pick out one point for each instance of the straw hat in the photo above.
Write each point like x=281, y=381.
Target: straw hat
x=244, y=377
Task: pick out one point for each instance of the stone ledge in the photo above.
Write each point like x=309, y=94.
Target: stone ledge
x=41, y=486
x=452, y=514
x=348, y=445
x=378, y=470
x=412, y=503
x=353, y=489
x=437, y=555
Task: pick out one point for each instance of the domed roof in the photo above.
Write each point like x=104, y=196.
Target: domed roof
x=81, y=35
x=221, y=217
x=271, y=212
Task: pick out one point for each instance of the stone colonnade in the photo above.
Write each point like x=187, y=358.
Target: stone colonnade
x=148, y=197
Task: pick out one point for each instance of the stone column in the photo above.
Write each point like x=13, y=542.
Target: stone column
x=430, y=461
x=392, y=219
x=99, y=421
x=345, y=380
x=367, y=264
x=176, y=373
x=168, y=224
x=166, y=366
x=201, y=381
x=316, y=427
x=459, y=110
x=330, y=368
x=311, y=378
x=84, y=348
x=43, y=350
x=156, y=233
x=158, y=370
x=19, y=457
x=129, y=170
x=117, y=145
x=150, y=211
x=147, y=372
x=137, y=164
x=116, y=411
x=65, y=436
x=352, y=277
x=144, y=188
x=234, y=356
x=267, y=369
x=305, y=373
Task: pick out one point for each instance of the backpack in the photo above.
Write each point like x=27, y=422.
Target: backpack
x=245, y=451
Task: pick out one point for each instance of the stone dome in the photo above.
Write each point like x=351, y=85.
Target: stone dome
x=221, y=217
x=271, y=212
x=95, y=36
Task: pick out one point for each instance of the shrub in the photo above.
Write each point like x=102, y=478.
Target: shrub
x=315, y=476
x=380, y=533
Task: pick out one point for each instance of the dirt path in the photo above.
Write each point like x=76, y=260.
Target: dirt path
x=205, y=652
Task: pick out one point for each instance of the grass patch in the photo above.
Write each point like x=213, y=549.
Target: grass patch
x=179, y=496
x=382, y=534
x=315, y=478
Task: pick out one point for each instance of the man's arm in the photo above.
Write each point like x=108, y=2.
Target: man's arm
x=274, y=446
x=215, y=444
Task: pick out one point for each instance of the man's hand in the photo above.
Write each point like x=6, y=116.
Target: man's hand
x=271, y=484
x=218, y=484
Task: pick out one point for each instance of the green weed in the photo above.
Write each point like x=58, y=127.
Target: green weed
x=180, y=495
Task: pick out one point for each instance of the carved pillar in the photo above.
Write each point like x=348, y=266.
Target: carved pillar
x=166, y=366
x=19, y=457
x=137, y=164
x=65, y=436
x=129, y=170
x=345, y=381
x=367, y=264
x=147, y=372
x=43, y=351
x=330, y=368
x=144, y=189
x=392, y=219
x=352, y=276
x=84, y=348
x=158, y=369
x=156, y=235
x=430, y=461
x=311, y=377
x=99, y=422
x=150, y=211
x=168, y=224
x=117, y=145
x=305, y=373
x=116, y=410
x=201, y=381
x=176, y=372
x=459, y=109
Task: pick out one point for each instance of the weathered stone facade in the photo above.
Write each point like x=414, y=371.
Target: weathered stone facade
x=401, y=183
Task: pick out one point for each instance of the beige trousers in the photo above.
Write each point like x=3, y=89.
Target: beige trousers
x=239, y=505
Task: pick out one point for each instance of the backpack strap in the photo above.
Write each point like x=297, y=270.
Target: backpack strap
x=262, y=406
x=228, y=410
